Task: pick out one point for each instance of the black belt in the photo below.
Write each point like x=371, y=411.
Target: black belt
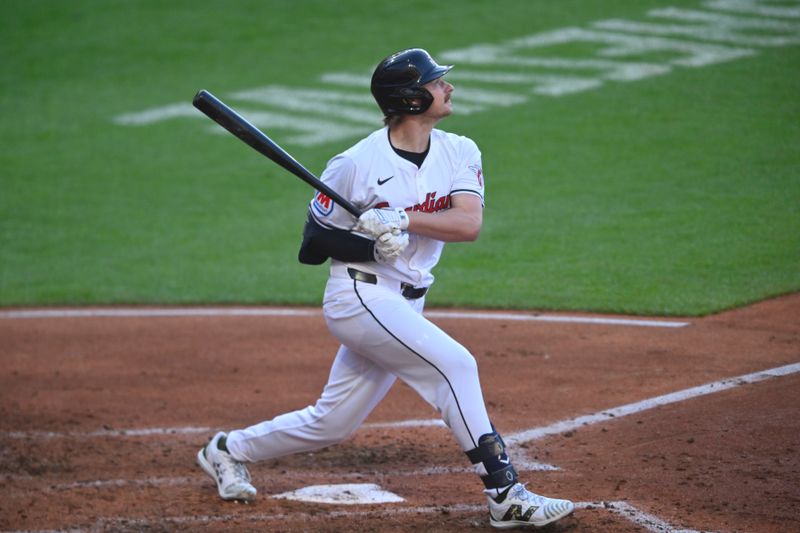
x=409, y=292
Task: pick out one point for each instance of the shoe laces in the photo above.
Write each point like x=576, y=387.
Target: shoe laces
x=519, y=492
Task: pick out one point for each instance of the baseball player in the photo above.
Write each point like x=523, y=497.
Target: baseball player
x=420, y=187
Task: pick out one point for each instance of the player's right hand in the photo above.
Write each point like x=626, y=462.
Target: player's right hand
x=376, y=222
x=389, y=246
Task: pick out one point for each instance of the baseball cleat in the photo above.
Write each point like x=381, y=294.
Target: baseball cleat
x=231, y=476
x=520, y=507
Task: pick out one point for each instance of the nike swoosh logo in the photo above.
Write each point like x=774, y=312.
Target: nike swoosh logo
x=381, y=182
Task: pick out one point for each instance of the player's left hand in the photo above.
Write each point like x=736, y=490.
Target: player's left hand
x=377, y=222
x=389, y=246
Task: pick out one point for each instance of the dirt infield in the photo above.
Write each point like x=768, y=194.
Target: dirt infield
x=101, y=416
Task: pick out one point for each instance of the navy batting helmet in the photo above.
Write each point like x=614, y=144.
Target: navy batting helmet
x=397, y=82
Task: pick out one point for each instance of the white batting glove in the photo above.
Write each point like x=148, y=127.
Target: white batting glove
x=389, y=246
x=376, y=222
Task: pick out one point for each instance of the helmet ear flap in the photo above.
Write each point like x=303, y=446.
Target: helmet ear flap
x=415, y=101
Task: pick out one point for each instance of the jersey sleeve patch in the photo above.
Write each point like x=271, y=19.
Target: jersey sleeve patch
x=322, y=205
x=478, y=171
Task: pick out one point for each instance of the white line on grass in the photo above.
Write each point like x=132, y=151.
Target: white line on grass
x=276, y=311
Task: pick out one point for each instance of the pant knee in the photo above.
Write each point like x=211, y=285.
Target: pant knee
x=463, y=365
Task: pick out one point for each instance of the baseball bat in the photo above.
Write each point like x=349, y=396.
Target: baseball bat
x=232, y=121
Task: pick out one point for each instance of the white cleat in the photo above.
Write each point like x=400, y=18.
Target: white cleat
x=522, y=508
x=231, y=476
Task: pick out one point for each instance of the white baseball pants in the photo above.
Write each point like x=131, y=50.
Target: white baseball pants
x=384, y=337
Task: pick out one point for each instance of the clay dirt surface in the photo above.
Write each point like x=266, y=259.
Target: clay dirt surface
x=74, y=391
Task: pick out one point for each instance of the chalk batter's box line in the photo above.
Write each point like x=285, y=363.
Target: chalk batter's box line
x=622, y=509
x=514, y=438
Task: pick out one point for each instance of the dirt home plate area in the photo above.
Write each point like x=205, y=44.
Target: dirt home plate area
x=647, y=424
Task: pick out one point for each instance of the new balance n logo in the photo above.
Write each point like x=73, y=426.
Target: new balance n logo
x=515, y=513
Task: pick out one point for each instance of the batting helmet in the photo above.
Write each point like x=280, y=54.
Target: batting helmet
x=397, y=82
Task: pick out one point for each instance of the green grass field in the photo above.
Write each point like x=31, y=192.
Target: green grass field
x=675, y=194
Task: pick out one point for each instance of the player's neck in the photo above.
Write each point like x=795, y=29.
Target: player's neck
x=411, y=134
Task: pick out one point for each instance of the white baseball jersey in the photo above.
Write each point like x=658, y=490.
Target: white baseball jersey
x=371, y=174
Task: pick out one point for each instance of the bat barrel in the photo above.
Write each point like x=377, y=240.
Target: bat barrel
x=236, y=124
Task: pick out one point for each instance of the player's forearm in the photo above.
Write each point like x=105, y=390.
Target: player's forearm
x=452, y=225
x=461, y=222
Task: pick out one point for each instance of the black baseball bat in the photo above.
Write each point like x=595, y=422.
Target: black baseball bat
x=232, y=121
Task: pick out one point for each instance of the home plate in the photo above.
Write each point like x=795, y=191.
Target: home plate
x=346, y=494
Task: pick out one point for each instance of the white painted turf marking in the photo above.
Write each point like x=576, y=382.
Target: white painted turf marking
x=276, y=311
x=624, y=51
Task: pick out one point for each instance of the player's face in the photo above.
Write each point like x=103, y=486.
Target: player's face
x=441, y=91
